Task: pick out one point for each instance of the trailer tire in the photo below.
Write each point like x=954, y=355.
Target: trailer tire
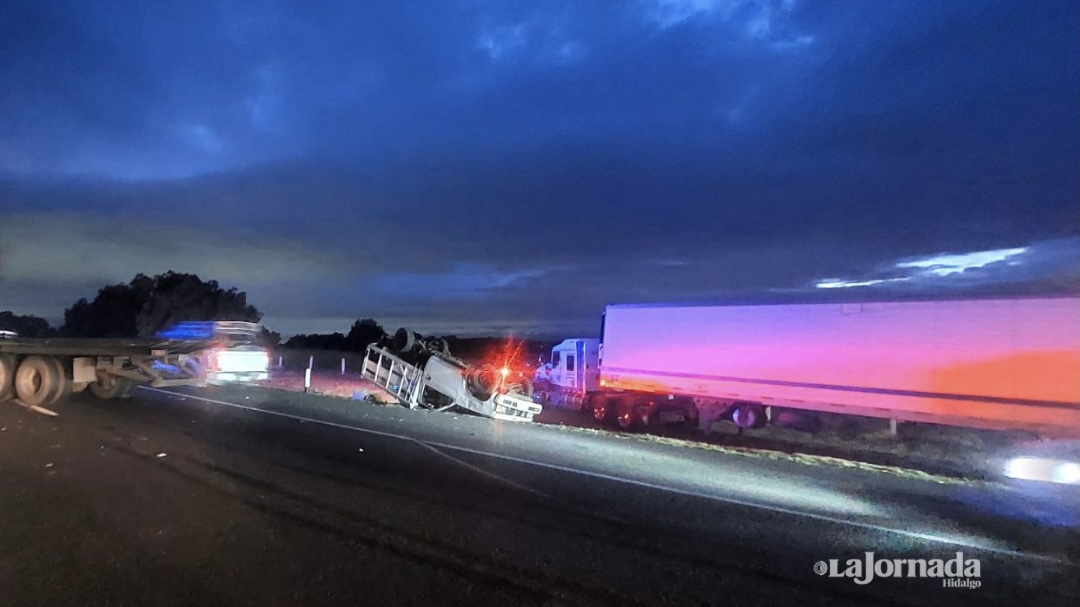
x=626, y=416
x=66, y=387
x=8, y=364
x=109, y=386
x=749, y=416
x=38, y=380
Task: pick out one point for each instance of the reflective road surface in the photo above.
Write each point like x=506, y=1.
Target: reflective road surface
x=247, y=496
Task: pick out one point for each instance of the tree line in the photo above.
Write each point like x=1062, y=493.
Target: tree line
x=148, y=304
x=142, y=308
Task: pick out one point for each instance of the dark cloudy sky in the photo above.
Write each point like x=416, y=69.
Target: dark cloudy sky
x=489, y=165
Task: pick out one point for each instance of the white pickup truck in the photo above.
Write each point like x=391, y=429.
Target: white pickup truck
x=421, y=373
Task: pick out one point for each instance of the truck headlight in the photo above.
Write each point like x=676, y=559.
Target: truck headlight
x=1043, y=469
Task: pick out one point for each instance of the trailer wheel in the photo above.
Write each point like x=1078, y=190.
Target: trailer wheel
x=65, y=387
x=109, y=387
x=749, y=416
x=8, y=364
x=38, y=380
x=627, y=417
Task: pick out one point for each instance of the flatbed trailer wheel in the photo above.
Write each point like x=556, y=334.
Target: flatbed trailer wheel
x=65, y=387
x=109, y=387
x=8, y=364
x=39, y=380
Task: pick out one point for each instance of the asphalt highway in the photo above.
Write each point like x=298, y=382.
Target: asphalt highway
x=248, y=496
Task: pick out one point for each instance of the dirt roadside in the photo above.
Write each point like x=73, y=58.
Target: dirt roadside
x=946, y=453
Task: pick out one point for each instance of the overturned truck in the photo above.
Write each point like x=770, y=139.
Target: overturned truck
x=421, y=373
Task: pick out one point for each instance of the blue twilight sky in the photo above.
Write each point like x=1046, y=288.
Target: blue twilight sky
x=478, y=166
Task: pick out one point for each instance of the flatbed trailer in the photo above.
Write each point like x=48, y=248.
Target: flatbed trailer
x=40, y=371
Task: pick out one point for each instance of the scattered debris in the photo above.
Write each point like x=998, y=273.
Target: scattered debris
x=49, y=465
x=161, y=454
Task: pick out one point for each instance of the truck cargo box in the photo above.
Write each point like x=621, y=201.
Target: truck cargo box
x=1003, y=363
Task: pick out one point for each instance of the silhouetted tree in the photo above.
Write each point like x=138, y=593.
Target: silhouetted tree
x=147, y=305
x=178, y=297
x=269, y=339
x=113, y=313
x=317, y=341
x=25, y=326
x=363, y=333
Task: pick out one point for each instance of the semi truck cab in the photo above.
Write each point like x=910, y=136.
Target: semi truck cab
x=571, y=373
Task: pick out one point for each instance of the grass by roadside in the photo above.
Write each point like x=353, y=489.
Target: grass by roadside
x=877, y=452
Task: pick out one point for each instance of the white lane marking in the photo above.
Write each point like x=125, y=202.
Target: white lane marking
x=619, y=479
x=37, y=409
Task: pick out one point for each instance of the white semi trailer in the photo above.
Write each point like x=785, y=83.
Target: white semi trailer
x=1011, y=364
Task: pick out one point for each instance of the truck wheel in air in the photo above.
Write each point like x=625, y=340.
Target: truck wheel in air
x=109, y=387
x=404, y=341
x=38, y=380
x=439, y=345
x=482, y=382
x=524, y=387
x=748, y=416
x=7, y=377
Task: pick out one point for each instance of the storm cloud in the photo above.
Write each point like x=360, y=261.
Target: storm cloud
x=479, y=167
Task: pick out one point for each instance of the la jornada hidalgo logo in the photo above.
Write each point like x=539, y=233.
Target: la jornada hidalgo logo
x=956, y=572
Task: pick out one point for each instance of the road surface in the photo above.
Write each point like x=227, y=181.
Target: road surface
x=245, y=496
